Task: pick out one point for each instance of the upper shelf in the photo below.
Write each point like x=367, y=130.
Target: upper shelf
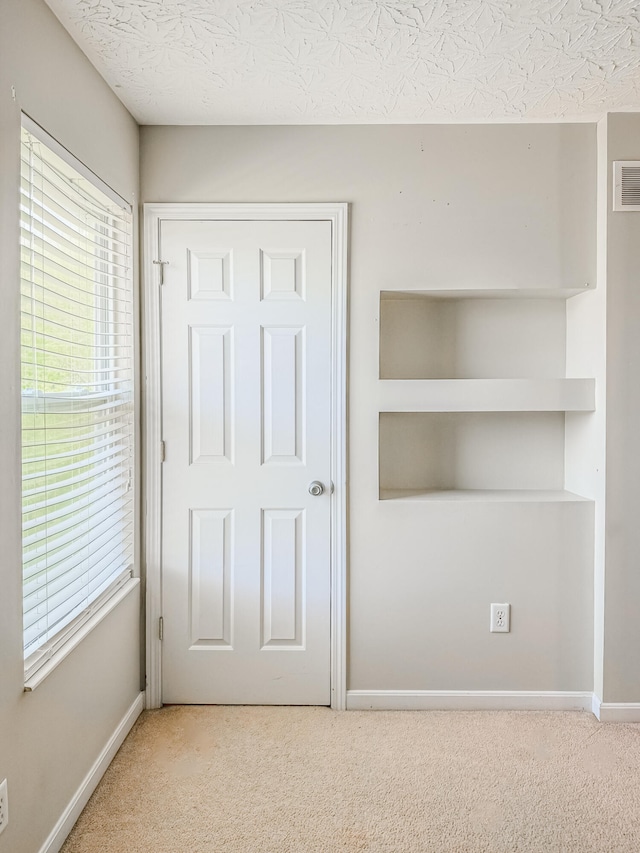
x=486, y=395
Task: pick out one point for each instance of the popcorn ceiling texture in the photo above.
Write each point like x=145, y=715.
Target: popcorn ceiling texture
x=344, y=61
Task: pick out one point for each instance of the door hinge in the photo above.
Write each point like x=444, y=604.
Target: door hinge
x=161, y=628
x=162, y=265
x=163, y=451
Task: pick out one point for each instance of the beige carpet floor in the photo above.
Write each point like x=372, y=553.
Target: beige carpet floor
x=300, y=780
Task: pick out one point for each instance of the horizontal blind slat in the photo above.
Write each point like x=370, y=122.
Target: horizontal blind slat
x=55, y=594
x=62, y=429
x=115, y=438
x=55, y=266
x=52, y=284
x=83, y=486
x=113, y=494
x=41, y=299
x=79, y=563
x=37, y=174
x=81, y=310
x=89, y=339
x=32, y=208
x=61, y=534
x=93, y=462
x=82, y=561
x=80, y=437
x=40, y=650
x=74, y=255
x=47, y=627
x=71, y=402
x=58, y=489
x=36, y=225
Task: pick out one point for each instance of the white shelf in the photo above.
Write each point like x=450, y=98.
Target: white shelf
x=477, y=293
x=481, y=495
x=486, y=395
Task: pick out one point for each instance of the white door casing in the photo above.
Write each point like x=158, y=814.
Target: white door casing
x=283, y=512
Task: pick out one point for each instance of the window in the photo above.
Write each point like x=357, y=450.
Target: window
x=77, y=396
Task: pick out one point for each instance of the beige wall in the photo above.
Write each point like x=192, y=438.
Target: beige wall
x=446, y=206
x=50, y=738
x=622, y=560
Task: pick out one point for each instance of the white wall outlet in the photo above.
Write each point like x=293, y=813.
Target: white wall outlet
x=4, y=806
x=500, y=618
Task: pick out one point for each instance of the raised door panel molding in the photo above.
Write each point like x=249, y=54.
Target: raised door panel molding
x=211, y=556
x=283, y=566
x=283, y=395
x=210, y=394
x=210, y=275
x=283, y=273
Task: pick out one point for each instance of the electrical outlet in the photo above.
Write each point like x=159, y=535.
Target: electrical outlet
x=500, y=618
x=4, y=806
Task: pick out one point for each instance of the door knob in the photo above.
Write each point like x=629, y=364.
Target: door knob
x=316, y=488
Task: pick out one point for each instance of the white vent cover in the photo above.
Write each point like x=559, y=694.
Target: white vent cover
x=626, y=185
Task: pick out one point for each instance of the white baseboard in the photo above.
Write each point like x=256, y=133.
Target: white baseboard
x=467, y=700
x=81, y=797
x=616, y=712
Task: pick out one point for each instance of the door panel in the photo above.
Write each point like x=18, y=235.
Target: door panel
x=210, y=576
x=283, y=351
x=211, y=431
x=283, y=577
x=246, y=349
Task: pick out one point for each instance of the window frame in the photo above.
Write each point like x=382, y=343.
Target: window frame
x=47, y=656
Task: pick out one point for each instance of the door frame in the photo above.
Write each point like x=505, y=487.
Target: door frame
x=153, y=215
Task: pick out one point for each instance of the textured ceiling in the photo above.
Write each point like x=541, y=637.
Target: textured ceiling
x=344, y=61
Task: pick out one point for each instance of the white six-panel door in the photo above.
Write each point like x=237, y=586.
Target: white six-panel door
x=246, y=419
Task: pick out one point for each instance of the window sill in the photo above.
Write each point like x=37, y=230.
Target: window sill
x=38, y=677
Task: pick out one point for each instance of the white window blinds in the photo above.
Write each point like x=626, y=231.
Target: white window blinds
x=77, y=398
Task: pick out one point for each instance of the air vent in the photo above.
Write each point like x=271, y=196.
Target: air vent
x=626, y=185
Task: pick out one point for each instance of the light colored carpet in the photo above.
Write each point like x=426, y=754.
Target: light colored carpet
x=300, y=780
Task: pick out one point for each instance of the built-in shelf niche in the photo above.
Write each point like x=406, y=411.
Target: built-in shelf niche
x=472, y=455
x=473, y=334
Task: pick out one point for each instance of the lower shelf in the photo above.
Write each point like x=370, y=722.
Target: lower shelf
x=486, y=495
